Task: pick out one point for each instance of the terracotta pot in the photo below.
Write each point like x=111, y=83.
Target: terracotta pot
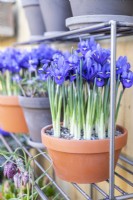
x=11, y=115
x=82, y=161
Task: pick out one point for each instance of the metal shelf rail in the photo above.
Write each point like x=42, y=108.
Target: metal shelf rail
x=99, y=31
x=62, y=194
x=110, y=29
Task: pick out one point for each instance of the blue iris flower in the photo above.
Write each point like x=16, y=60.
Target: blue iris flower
x=101, y=55
x=60, y=72
x=122, y=65
x=73, y=61
x=29, y=61
x=88, y=71
x=56, y=57
x=127, y=79
x=86, y=45
x=45, y=52
x=44, y=72
x=103, y=71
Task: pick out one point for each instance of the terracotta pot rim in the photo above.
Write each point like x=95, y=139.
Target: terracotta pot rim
x=9, y=100
x=83, y=146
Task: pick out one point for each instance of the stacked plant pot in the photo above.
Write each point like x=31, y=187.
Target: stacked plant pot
x=54, y=14
x=88, y=12
x=34, y=16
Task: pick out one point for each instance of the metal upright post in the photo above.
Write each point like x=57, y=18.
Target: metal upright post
x=112, y=108
x=91, y=191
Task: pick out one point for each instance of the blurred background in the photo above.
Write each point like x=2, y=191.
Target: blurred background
x=13, y=23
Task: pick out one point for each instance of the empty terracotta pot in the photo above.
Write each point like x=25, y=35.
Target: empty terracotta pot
x=82, y=161
x=11, y=115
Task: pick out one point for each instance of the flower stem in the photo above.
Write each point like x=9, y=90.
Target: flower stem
x=8, y=83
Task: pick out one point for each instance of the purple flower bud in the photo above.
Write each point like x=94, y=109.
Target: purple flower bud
x=10, y=169
x=25, y=178
x=17, y=180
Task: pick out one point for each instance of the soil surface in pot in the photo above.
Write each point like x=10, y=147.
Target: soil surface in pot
x=65, y=133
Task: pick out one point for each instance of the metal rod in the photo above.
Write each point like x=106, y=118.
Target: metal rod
x=81, y=191
x=68, y=33
x=125, y=24
x=128, y=196
x=45, y=155
x=118, y=189
x=124, y=168
x=124, y=179
x=40, y=151
x=91, y=191
x=112, y=108
x=123, y=158
x=5, y=143
x=41, y=194
x=74, y=38
x=100, y=190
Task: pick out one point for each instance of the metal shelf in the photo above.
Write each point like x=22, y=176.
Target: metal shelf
x=99, y=31
x=123, y=193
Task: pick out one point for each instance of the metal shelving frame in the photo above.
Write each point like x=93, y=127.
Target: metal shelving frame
x=112, y=30
x=63, y=195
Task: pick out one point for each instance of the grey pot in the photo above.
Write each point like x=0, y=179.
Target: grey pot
x=37, y=115
x=88, y=20
x=54, y=13
x=102, y=7
x=34, y=16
